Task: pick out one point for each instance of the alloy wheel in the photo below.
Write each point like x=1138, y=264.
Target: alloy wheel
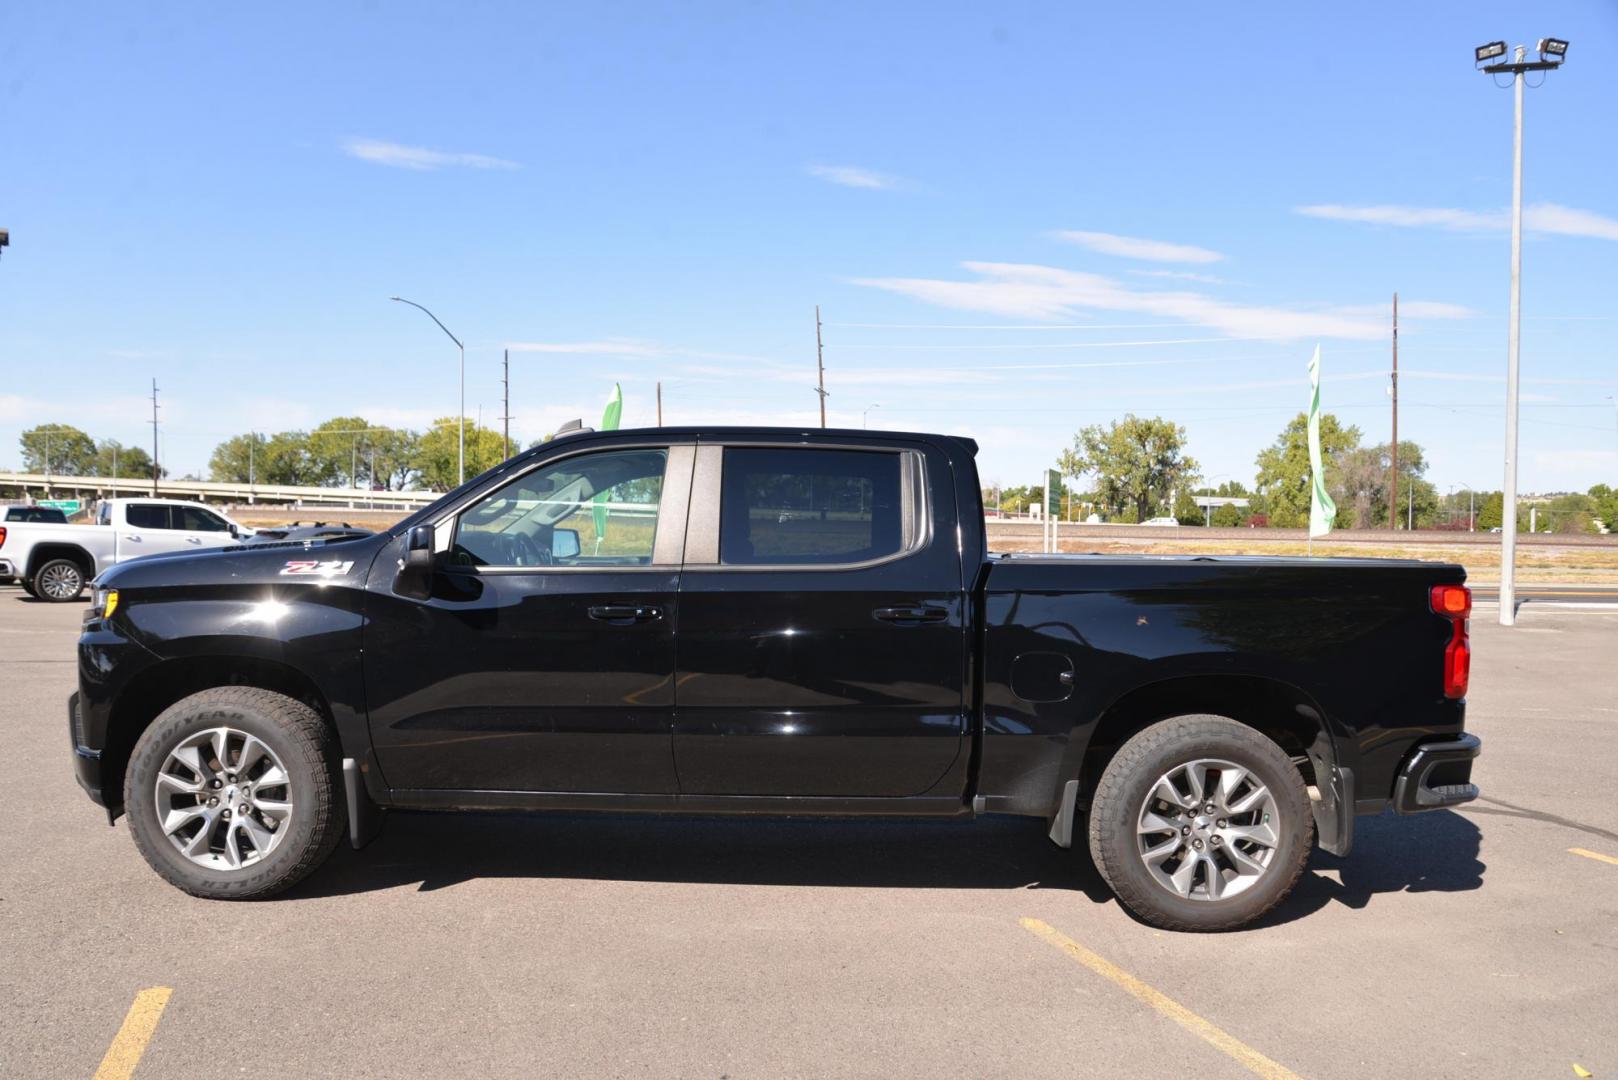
x=224, y=799
x=1208, y=829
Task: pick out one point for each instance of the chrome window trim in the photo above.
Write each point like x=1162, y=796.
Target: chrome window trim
x=703, y=525
x=666, y=542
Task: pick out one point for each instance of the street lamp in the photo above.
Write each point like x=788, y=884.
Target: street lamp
x=458, y=345
x=1552, y=52
x=867, y=412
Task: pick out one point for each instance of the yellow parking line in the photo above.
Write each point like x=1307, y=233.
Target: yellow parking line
x=130, y=1042
x=1592, y=855
x=1167, y=1006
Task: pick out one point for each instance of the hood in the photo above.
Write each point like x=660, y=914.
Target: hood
x=287, y=562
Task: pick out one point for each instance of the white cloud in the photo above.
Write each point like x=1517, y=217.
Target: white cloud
x=1046, y=292
x=419, y=158
x=608, y=347
x=1541, y=217
x=855, y=177
x=1179, y=275
x=1414, y=309
x=1134, y=247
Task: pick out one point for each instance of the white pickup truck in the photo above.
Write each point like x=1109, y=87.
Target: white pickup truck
x=54, y=562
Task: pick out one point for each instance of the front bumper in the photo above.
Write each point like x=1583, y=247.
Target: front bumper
x=1437, y=774
x=86, y=761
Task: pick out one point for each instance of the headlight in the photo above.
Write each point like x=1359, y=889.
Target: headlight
x=103, y=604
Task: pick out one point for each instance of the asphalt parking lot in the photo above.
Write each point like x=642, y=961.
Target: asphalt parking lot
x=1453, y=944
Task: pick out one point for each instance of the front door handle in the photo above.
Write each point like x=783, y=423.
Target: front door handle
x=625, y=614
x=910, y=616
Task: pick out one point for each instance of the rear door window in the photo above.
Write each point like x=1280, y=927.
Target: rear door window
x=147, y=516
x=813, y=507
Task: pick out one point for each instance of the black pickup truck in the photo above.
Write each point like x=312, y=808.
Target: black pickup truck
x=768, y=621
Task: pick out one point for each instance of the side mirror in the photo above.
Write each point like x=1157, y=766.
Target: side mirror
x=564, y=544
x=235, y=533
x=415, y=577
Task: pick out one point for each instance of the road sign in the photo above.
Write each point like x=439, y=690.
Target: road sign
x=66, y=506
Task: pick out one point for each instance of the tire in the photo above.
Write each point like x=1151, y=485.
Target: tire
x=58, y=581
x=1212, y=886
x=28, y=587
x=233, y=860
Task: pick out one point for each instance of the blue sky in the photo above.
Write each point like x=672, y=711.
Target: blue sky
x=1018, y=219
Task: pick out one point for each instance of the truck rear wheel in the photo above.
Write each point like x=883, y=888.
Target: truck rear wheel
x=234, y=793
x=1200, y=823
x=58, y=581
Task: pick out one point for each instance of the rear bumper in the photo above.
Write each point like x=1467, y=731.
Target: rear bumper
x=8, y=570
x=1437, y=774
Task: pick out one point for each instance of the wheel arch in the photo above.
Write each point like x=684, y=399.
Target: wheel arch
x=1279, y=710
x=163, y=684
x=41, y=554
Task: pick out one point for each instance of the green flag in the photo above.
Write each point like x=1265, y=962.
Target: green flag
x=609, y=422
x=1322, y=511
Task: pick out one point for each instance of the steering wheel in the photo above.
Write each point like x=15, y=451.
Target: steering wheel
x=527, y=553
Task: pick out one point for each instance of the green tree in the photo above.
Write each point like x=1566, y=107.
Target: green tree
x=58, y=449
x=1186, y=510
x=1491, y=510
x=1605, y=500
x=1138, y=464
x=336, y=449
x=394, y=455
x=282, y=458
x=236, y=460
x=1283, y=467
x=437, y=453
x=128, y=461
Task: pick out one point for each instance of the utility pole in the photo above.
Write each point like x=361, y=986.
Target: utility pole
x=154, y=438
x=1393, y=477
x=820, y=365
x=1552, y=51
x=505, y=380
x=660, y=403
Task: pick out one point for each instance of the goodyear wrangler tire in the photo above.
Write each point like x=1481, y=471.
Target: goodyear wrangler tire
x=235, y=793
x=1200, y=823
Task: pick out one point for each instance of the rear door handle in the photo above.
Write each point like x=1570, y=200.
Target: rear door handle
x=193, y=540
x=910, y=616
x=625, y=614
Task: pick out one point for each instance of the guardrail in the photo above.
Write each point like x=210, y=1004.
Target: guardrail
x=106, y=487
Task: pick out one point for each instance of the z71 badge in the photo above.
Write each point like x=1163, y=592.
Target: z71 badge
x=315, y=568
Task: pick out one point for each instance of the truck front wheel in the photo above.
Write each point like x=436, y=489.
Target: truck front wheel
x=234, y=793
x=1200, y=823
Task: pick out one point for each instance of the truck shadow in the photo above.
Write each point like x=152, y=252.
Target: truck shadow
x=1437, y=851
x=1433, y=852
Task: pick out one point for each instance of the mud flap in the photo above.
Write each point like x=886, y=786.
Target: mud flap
x=1334, y=803
x=364, y=816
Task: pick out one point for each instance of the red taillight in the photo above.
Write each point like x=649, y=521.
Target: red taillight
x=1454, y=602
x=2, y=536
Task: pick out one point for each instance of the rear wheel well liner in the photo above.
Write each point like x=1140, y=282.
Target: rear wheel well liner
x=1275, y=708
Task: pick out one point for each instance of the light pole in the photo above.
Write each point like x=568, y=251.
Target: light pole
x=867, y=413
x=462, y=450
x=1552, y=51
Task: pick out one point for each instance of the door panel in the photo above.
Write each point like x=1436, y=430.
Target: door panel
x=544, y=660
x=505, y=682
x=812, y=678
x=149, y=530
